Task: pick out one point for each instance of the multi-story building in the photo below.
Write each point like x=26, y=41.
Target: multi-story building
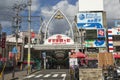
x=93, y=24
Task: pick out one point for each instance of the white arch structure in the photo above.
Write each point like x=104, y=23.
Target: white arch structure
x=76, y=27
x=51, y=20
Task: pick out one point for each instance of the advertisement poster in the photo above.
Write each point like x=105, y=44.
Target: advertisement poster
x=90, y=20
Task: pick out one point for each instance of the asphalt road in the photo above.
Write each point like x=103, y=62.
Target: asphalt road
x=51, y=74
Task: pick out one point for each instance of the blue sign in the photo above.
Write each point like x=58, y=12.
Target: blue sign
x=44, y=54
x=90, y=20
x=89, y=25
x=14, y=50
x=99, y=43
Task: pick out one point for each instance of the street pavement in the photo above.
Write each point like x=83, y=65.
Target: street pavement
x=51, y=74
x=18, y=74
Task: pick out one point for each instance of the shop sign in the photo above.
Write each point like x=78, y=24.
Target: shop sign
x=59, y=39
x=92, y=49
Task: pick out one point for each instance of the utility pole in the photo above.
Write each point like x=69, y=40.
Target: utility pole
x=29, y=32
x=17, y=19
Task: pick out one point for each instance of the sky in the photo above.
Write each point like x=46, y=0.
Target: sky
x=46, y=8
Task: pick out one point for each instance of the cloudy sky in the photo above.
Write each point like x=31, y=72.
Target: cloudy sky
x=46, y=8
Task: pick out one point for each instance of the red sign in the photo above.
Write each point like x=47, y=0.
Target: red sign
x=59, y=39
x=32, y=34
x=101, y=33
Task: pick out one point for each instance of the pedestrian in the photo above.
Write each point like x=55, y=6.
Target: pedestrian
x=115, y=74
x=31, y=67
x=76, y=72
x=71, y=73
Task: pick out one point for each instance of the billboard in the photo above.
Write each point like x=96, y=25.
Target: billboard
x=90, y=5
x=90, y=20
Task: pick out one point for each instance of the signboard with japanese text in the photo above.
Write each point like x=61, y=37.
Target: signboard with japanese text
x=58, y=39
x=90, y=20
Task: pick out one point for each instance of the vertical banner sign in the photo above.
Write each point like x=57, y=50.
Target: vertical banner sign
x=3, y=39
x=0, y=40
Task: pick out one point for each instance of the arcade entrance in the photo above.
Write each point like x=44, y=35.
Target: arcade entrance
x=58, y=59
x=56, y=38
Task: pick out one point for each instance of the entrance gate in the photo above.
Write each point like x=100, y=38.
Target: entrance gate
x=57, y=56
x=57, y=38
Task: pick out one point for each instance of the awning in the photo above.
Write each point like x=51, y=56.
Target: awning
x=78, y=55
x=116, y=55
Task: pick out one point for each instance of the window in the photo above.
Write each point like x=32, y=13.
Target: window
x=116, y=37
x=91, y=34
x=117, y=48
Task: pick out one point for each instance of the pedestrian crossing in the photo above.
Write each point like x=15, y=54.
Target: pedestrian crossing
x=42, y=76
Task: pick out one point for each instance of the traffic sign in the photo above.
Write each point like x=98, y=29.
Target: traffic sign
x=14, y=50
x=44, y=54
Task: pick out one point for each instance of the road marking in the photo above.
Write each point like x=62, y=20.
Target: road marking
x=47, y=75
x=29, y=76
x=38, y=75
x=57, y=72
x=55, y=75
x=64, y=76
